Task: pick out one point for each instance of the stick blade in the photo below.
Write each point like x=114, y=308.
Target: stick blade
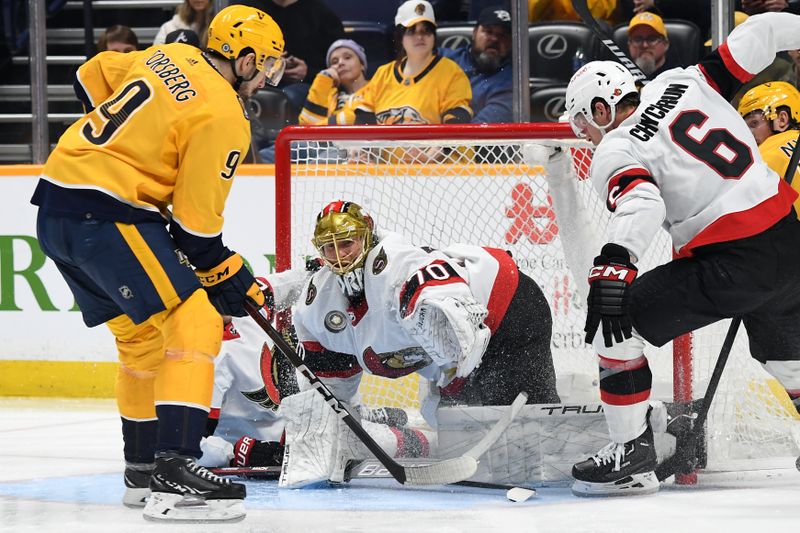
x=443, y=472
x=519, y=494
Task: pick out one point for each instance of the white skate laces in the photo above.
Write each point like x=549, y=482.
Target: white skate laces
x=206, y=474
x=613, y=450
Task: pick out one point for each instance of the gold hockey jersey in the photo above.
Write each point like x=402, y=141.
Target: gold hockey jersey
x=163, y=128
x=776, y=151
x=327, y=104
x=441, y=93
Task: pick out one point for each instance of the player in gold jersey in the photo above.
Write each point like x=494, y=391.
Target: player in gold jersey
x=772, y=112
x=129, y=201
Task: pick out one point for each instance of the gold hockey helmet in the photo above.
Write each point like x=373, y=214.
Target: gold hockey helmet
x=768, y=97
x=341, y=225
x=237, y=30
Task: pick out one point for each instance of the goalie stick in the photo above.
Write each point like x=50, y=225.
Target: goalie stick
x=372, y=469
x=582, y=9
x=439, y=473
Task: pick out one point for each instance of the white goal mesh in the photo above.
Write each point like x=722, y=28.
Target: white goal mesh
x=447, y=184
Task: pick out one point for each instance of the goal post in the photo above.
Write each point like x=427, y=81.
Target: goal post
x=443, y=184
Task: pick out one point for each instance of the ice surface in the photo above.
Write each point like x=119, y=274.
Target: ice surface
x=61, y=471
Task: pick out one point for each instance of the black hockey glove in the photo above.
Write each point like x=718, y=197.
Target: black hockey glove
x=609, y=282
x=228, y=285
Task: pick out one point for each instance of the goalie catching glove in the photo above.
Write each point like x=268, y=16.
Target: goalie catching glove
x=228, y=285
x=451, y=331
x=609, y=282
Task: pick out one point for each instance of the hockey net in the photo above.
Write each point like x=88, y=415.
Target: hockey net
x=439, y=185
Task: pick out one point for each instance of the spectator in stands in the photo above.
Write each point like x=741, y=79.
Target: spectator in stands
x=487, y=64
x=752, y=7
x=542, y=10
x=420, y=86
x=309, y=27
x=335, y=87
x=331, y=99
x=183, y=36
x=697, y=11
x=648, y=44
x=192, y=15
x=118, y=38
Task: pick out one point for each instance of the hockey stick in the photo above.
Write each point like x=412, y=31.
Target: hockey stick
x=439, y=473
x=683, y=460
x=582, y=9
x=372, y=469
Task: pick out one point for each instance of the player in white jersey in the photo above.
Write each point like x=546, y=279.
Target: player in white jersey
x=679, y=156
x=465, y=318
x=244, y=428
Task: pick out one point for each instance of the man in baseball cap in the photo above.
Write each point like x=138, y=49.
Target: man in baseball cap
x=648, y=43
x=486, y=61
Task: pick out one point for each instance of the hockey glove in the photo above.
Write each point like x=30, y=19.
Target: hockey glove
x=609, y=282
x=251, y=452
x=228, y=284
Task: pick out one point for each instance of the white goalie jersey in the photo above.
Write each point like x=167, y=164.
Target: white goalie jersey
x=685, y=158
x=245, y=398
x=378, y=335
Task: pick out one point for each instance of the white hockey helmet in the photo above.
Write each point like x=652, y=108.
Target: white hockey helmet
x=607, y=80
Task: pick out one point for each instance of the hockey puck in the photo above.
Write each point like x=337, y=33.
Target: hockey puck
x=518, y=494
x=797, y=463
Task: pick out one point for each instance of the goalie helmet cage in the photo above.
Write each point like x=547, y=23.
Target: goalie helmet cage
x=444, y=184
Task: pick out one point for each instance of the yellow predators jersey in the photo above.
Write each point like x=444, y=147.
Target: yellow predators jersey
x=164, y=129
x=776, y=151
x=327, y=104
x=539, y=10
x=441, y=93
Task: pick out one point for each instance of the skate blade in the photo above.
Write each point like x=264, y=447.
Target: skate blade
x=634, y=485
x=166, y=507
x=135, y=498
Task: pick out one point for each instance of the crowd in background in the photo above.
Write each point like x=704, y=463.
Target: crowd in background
x=327, y=77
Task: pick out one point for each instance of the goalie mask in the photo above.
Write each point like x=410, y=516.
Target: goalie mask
x=343, y=236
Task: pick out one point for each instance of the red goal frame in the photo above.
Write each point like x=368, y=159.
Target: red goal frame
x=682, y=346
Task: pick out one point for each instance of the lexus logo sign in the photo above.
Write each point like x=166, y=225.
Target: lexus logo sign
x=551, y=46
x=553, y=108
x=452, y=42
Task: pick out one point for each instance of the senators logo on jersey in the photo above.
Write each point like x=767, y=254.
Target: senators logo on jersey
x=396, y=364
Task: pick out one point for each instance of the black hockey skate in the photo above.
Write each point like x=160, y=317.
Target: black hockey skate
x=137, y=485
x=181, y=490
x=619, y=469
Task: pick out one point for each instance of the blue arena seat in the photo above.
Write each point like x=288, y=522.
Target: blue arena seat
x=553, y=48
x=453, y=36
x=269, y=111
x=376, y=40
x=547, y=103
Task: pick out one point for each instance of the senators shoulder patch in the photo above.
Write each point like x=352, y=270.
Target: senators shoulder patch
x=311, y=292
x=380, y=262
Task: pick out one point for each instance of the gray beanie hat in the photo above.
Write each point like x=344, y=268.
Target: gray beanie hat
x=352, y=45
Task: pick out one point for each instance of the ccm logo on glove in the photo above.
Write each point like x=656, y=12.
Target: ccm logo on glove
x=612, y=273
